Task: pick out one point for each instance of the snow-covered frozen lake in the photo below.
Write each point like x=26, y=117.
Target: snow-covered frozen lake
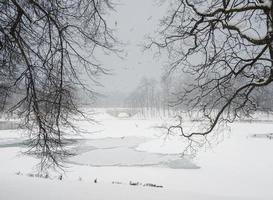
x=124, y=150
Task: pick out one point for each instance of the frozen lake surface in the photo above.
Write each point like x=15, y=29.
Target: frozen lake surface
x=237, y=166
x=123, y=152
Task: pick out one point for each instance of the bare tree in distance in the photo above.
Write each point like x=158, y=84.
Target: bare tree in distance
x=226, y=48
x=45, y=47
x=143, y=98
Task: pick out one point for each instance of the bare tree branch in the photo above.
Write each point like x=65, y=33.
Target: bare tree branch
x=44, y=45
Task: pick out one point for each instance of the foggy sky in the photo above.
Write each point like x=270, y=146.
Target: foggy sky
x=132, y=21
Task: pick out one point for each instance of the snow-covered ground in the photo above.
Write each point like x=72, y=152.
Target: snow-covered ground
x=121, y=152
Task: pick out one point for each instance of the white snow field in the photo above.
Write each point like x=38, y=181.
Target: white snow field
x=128, y=158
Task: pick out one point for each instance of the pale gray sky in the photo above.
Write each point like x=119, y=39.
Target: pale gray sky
x=133, y=19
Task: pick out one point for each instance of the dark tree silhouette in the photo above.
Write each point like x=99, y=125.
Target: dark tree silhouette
x=226, y=48
x=44, y=45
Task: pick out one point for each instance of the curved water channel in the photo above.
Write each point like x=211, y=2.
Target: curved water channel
x=121, y=151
